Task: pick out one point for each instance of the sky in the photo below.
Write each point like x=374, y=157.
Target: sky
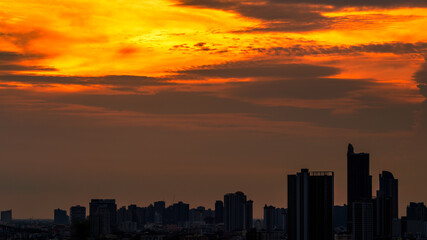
x=186, y=100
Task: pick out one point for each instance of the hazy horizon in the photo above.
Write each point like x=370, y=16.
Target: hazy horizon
x=183, y=100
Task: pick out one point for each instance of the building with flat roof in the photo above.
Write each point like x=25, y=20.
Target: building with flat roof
x=310, y=204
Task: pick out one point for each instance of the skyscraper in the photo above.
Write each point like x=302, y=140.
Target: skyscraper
x=249, y=215
x=102, y=214
x=159, y=211
x=386, y=205
x=310, y=203
x=77, y=214
x=280, y=219
x=219, y=211
x=269, y=212
x=416, y=221
x=359, y=182
x=60, y=217
x=362, y=220
x=6, y=216
x=238, y=212
x=178, y=213
x=274, y=218
x=416, y=211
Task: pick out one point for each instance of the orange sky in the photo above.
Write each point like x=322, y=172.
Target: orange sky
x=210, y=67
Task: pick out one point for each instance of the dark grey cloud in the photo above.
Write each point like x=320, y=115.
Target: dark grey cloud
x=304, y=50
x=10, y=57
x=276, y=16
x=361, y=3
x=387, y=117
x=294, y=15
x=289, y=25
x=10, y=61
x=23, y=38
x=229, y=4
x=306, y=88
x=12, y=67
x=115, y=80
x=316, y=49
x=256, y=69
x=284, y=18
x=421, y=78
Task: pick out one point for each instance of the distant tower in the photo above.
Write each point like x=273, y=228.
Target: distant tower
x=60, y=217
x=386, y=205
x=6, y=216
x=103, y=216
x=359, y=182
x=363, y=221
x=310, y=203
x=77, y=214
x=249, y=215
x=159, y=211
x=179, y=213
x=238, y=215
x=219, y=211
x=269, y=212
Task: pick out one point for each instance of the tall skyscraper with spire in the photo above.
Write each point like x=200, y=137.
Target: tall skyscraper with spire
x=359, y=182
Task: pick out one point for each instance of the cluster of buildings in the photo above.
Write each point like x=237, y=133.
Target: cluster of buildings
x=311, y=206
x=310, y=214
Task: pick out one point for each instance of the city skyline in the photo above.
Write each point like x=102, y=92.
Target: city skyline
x=375, y=192
x=185, y=100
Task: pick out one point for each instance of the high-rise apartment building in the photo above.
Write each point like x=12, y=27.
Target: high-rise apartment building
x=310, y=203
x=60, y=217
x=6, y=216
x=359, y=182
x=103, y=216
x=386, y=208
x=77, y=214
x=238, y=212
x=219, y=211
x=363, y=221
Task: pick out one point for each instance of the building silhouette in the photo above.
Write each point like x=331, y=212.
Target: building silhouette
x=102, y=215
x=178, y=214
x=363, y=221
x=128, y=219
x=339, y=216
x=197, y=215
x=60, y=217
x=415, y=223
x=359, y=182
x=386, y=208
x=274, y=218
x=310, y=203
x=416, y=211
x=238, y=212
x=6, y=216
x=159, y=212
x=249, y=215
x=219, y=211
x=269, y=212
x=77, y=214
x=150, y=214
x=280, y=219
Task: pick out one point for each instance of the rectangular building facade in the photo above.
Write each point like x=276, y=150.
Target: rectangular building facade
x=359, y=182
x=238, y=212
x=363, y=221
x=6, y=216
x=310, y=203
